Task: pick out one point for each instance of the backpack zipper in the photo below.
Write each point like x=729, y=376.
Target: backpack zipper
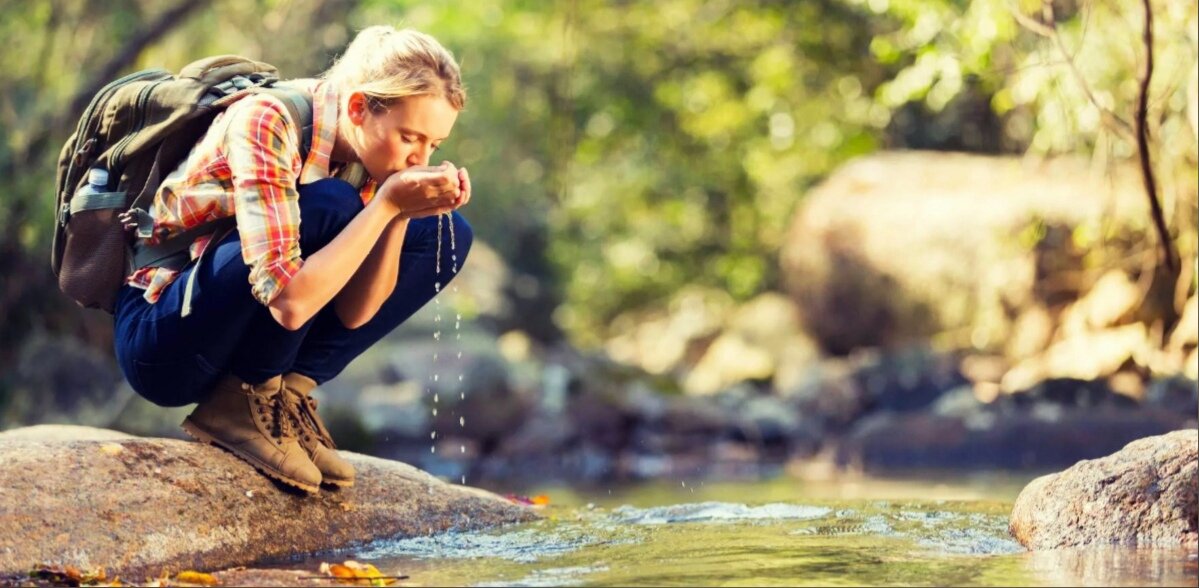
x=101, y=99
x=116, y=163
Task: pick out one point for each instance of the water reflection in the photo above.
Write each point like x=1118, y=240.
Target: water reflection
x=1115, y=566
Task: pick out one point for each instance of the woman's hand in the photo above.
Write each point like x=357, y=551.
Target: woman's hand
x=425, y=190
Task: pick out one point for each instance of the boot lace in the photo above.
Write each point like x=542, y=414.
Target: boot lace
x=308, y=421
x=279, y=415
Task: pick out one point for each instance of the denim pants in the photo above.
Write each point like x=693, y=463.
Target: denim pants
x=174, y=361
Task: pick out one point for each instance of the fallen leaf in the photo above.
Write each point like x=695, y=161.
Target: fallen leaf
x=192, y=577
x=539, y=500
x=352, y=572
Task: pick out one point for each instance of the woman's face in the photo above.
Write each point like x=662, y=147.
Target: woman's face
x=402, y=136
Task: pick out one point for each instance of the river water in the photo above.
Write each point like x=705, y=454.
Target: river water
x=782, y=532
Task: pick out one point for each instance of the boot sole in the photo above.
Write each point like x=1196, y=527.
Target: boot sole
x=338, y=483
x=199, y=434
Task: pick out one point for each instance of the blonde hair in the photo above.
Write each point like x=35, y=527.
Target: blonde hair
x=388, y=64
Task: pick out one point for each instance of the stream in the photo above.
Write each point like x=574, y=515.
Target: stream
x=776, y=532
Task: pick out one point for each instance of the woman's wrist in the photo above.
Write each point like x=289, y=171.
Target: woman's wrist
x=385, y=204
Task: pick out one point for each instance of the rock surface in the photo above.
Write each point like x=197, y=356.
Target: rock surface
x=141, y=506
x=1144, y=494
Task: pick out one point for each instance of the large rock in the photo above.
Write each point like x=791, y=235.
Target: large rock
x=900, y=246
x=1144, y=494
x=138, y=506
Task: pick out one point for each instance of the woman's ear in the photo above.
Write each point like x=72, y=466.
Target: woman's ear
x=356, y=108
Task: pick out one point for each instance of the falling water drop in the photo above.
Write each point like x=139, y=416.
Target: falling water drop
x=435, y=412
x=437, y=263
x=436, y=397
x=433, y=435
x=462, y=421
x=461, y=449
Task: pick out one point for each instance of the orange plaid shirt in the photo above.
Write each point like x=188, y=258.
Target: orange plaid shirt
x=248, y=165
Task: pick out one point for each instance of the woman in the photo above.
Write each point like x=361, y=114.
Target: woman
x=318, y=269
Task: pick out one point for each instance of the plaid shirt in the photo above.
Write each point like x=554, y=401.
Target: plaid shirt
x=248, y=165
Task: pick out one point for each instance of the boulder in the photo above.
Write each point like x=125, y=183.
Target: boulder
x=138, y=506
x=1144, y=494
x=899, y=246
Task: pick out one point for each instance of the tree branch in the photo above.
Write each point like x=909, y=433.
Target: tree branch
x=1142, y=134
x=166, y=22
x=1048, y=29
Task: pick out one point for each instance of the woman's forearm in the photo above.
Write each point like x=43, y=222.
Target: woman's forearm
x=375, y=279
x=326, y=272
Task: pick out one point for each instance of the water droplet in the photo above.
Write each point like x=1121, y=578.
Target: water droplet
x=434, y=412
x=434, y=357
x=460, y=378
x=437, y=286
x=433, y=435
x=684, y=484
x=436, y=397
x=433, y=449
x=436, y=377
x=464, y=480
x=459, y=317
x=437, y=335
x=462, y=395
x=459, y=355
x=461, y=449
x=462, y=421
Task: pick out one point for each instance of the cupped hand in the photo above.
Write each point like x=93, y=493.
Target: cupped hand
x=423, y=190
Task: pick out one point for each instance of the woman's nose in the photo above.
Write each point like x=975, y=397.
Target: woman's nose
x=419, y=156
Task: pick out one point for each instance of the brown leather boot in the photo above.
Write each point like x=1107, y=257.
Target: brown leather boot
x=255, y=423
x=314, y=437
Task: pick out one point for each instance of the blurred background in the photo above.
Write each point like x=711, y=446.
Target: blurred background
x=713, y=239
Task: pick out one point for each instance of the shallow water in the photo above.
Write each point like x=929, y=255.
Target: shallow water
x=774, y=533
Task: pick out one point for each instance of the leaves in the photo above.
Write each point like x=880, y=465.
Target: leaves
x=191, y=577
x=538, y=501
x=71, y=576
x=352, y=572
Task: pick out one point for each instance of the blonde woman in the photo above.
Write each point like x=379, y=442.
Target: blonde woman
x=328, y=256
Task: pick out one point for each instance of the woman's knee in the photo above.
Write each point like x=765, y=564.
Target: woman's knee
x=326, y=207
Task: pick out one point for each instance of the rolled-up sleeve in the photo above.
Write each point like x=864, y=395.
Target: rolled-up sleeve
x=264, y=162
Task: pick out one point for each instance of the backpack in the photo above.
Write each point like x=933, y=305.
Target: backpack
x=138, y=129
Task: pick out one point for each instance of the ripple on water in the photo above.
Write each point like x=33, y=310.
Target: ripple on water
x=717, y=511
x=524, y=546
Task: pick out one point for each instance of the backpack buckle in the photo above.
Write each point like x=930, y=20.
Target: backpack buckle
x=139, y=221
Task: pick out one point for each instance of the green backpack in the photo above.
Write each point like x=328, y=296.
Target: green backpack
x=135, y=132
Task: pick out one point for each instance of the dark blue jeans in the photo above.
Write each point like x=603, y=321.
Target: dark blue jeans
x=173, y=361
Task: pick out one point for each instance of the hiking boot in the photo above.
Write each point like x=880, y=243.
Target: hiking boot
x=313, y=436
x=255, y=423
